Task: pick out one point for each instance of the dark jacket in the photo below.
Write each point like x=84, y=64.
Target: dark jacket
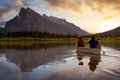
x=93, y=43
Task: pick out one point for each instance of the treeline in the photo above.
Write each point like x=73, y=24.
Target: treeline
x=35, y=35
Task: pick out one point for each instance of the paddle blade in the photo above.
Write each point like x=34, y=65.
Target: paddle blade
x=103, y=52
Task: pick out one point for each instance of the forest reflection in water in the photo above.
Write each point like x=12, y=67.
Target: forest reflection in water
x=48, y=61
x=28, y=57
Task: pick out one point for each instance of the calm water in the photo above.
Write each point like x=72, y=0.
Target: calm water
x=58, y=62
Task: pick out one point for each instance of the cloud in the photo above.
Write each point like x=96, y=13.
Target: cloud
x=11, y=6
x=103, y=5
x=66, y=4
x=107, y=8
x=2, y=23
x=80, y=6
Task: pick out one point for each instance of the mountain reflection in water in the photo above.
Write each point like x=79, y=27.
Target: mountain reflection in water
x=30, y=57
x=58, y=61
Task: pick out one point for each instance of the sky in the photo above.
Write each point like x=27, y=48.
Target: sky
x=94, y=16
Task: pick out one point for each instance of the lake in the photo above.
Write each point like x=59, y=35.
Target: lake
x=58, y=62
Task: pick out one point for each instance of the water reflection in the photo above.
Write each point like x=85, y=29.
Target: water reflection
x=112, y=45
x=30, y=58
x=47, y=61
x=2, y=57
x=94, y=60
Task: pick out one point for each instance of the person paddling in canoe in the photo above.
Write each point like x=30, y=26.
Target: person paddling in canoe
x=94, y=43
x=80, y=42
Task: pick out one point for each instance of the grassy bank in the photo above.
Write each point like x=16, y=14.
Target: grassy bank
x=109, y=40
x=105, y=40
x=36, y=39
x=27, y=40
x=35, y=43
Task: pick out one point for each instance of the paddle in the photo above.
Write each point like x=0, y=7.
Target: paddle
x=99, y=45
x=103, y=51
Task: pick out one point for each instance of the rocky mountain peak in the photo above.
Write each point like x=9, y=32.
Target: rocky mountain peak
x=29, y=20
x=27, y=12
x=22, y=12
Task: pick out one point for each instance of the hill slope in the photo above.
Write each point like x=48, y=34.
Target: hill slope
x=114, y=32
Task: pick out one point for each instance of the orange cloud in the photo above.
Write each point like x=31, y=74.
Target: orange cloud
x=79, y=6
x=73, y=5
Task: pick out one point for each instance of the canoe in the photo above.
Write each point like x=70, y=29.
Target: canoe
x=88, y=50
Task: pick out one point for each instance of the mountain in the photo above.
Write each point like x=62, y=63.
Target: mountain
x=63, y=22
x=29, y=20
x=2, y=30
x=114, y=32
